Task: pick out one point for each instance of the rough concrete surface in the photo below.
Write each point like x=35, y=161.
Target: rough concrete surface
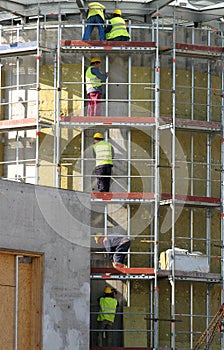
x=49, y=221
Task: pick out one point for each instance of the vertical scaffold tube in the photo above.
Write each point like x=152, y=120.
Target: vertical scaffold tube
x=156, y=184
x=222, y=198
x=173, y=136
x=37, y=102
x=57, y=126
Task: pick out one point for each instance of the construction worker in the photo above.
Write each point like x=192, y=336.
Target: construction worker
x=116, y=29
x=104, y=154
x=94, y=80
x=116, y=245
x=95, y=18
x=105, y=319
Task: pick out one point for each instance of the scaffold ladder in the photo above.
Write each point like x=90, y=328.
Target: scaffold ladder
x=215, y=325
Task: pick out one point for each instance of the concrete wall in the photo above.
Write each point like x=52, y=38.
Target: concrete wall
x=51, y=221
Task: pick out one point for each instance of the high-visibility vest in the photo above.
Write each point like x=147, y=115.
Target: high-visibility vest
x=91, y=79
x=118, y=28
x=103, y=151
x=107, y=309
x=95, y=8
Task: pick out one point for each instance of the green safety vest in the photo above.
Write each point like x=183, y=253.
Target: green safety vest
x=91, y=79
x=107, y=309
x=118, y=28
x=103, y=151
x=95, y=8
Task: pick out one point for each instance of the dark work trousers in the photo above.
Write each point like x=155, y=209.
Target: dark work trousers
x=121, y=248
x=120, y=38
x=103, y=173
x=105, y=337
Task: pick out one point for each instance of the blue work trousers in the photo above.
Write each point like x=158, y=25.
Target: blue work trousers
x=94, y=21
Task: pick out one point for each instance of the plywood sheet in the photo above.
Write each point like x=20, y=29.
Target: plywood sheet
x=7, y=270
x=24, y=305
x=7, y=298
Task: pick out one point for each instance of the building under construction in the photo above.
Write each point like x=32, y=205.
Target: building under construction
x=162, y=109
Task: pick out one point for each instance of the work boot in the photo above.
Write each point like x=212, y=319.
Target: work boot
x=118, y=265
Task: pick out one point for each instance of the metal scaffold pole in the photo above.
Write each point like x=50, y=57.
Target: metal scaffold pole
x=156, y=184
x=222, y=201
x=173, y=189
x=57, y=126
x=55, y=116
x=192, y=96
x=37, y=101
x=208, y=178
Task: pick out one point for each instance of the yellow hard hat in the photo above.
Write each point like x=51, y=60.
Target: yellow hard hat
x=97, y=237
x=98, y=135
x=107, y=290
x=95, y=59
x=117, y=12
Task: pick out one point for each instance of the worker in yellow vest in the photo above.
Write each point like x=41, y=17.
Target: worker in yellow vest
x=104, y=154
x=105, y=320
x=116, y=29
x=95, y=18
x=94, y=79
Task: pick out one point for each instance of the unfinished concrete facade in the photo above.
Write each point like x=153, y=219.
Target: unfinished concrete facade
x=162, y=110
x=44, y=268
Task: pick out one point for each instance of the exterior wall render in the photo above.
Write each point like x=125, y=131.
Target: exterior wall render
x=49, y=221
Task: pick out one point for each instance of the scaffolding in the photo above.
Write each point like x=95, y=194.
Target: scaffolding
x=168, y=169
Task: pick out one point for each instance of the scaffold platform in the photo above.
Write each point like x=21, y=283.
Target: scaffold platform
x=107, y=46
x=119, y=348
x=122, y=273
x=165, y=198
x=21, y=124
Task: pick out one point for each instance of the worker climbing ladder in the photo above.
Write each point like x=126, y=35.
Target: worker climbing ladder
x=214, y=326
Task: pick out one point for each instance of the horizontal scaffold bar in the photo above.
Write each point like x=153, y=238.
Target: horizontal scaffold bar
x=122, y=196
x=111, y=121
x=194, y=125
x=118, y=348
x=71, y=121
x=192, y=200
x=121, y=277
x=185, y=124
x=206, y=49
x=21, y=49
x=21, y=124
x=138, y=273
x=14, y=124
x=126, y=270
x=96, y=45
x=195, y=276
x=193, y=50
x=141, y=197
x=181, y=48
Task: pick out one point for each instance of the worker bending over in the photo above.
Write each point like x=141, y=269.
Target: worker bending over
x=95, y=18
x=116, y=245
x=116, y=29
x=104, y=154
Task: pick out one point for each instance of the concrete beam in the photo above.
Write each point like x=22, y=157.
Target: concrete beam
x=12, y=7
x=191, y=15
x=35, y=8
